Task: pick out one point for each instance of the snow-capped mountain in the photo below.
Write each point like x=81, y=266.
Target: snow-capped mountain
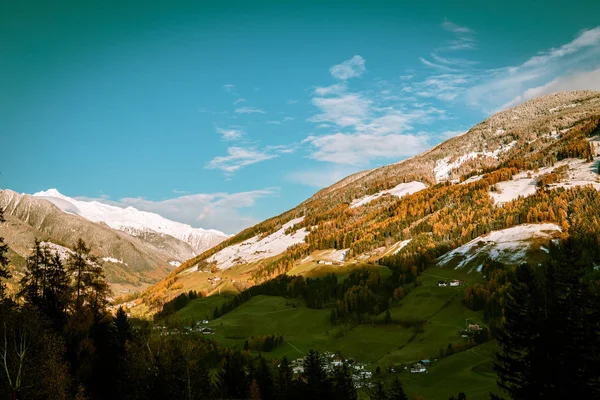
x=479, y=196
x=134, y=221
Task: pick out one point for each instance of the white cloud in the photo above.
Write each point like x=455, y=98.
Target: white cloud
x=279, y=122
x=320, y=177
x=329, y=90
x=292, y=101
x=221, y=211
x=230, y=134
x=464, y=37
x=249, y=110
x=454, y=28
x=588, y=38
x=359, y=149
x=228, y=87
x=238, y=157
x=503, y=87
x=587, y=80
x=351, y=68
x=440, y=67
x=238, y=101
x=349, y=109
x=445, y=87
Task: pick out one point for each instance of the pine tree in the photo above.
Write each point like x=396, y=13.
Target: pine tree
x=388, y=317
x=378, y=392
x=343, y=386
x=397, y=391
x=264, y=378
x=284, y=379
x=549, y=341
x=45, y=284
x=231, y=379
x=317, y=385
x=89, y=285
x=4, y=273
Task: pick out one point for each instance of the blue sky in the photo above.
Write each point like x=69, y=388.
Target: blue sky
x=221, y=114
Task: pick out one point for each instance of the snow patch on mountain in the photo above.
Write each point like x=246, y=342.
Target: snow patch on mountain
x=113, y=260
x=400, y=190
x=444, y=167
x=257, y=248
x=579, y=173
x=507, y=246
x=131, y=220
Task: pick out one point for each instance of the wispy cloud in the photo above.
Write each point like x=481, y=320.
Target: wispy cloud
x=292, y=101
x=346, y=110
x=179, y=191
x=586, y=80
x=440, y=67
x=445, y=87
x=351, y=68
x=279, y=122
x=228, y=87
x=464, y=37
x=249, y=110
x=238, y=157
x=231, y=133
x=359, y=149
x=238, y=101
x=330, y=90
x=551, y=69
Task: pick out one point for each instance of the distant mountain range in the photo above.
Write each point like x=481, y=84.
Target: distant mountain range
x=454, y=200
x=137, y=247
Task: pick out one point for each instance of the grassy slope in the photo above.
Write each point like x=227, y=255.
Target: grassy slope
x=440, y=309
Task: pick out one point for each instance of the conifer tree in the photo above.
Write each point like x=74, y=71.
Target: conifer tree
x=317, y=384
x=284, y=379
x=4, y=273
x=264, y=378
x=549, y=341
x=396, y=391
x=343, y=385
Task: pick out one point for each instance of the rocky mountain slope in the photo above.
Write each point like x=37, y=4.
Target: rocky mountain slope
x=137, y=223
x=133, y=256
x=526, y=165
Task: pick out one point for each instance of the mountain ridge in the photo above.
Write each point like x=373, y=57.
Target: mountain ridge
x=455, y=176
x=134, y=221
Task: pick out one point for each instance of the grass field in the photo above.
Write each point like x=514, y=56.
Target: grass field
x=426, y=320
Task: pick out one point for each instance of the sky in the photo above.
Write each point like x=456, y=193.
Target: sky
x=222, y=114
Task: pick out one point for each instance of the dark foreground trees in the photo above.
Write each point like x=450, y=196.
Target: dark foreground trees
x=550, y=341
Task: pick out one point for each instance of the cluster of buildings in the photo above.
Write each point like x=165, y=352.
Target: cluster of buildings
x=470, y=330
x=214, y=280
x=419, y=367
x=453, y=282
x=360, y=376
x=199, y=327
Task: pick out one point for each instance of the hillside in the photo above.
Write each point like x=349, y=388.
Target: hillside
x=522, y=165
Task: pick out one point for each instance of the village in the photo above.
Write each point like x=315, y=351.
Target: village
x=200, y=327
x=360, y=376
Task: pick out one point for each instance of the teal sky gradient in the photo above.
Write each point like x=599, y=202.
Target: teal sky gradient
x=141, y=104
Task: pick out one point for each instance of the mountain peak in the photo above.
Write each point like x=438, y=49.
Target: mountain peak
x=133, y=221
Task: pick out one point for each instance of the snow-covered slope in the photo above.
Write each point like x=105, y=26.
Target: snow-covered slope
x=508, y=246
x=255, y=248
x=134, y=221
x=400, y=190
x=578, y=173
